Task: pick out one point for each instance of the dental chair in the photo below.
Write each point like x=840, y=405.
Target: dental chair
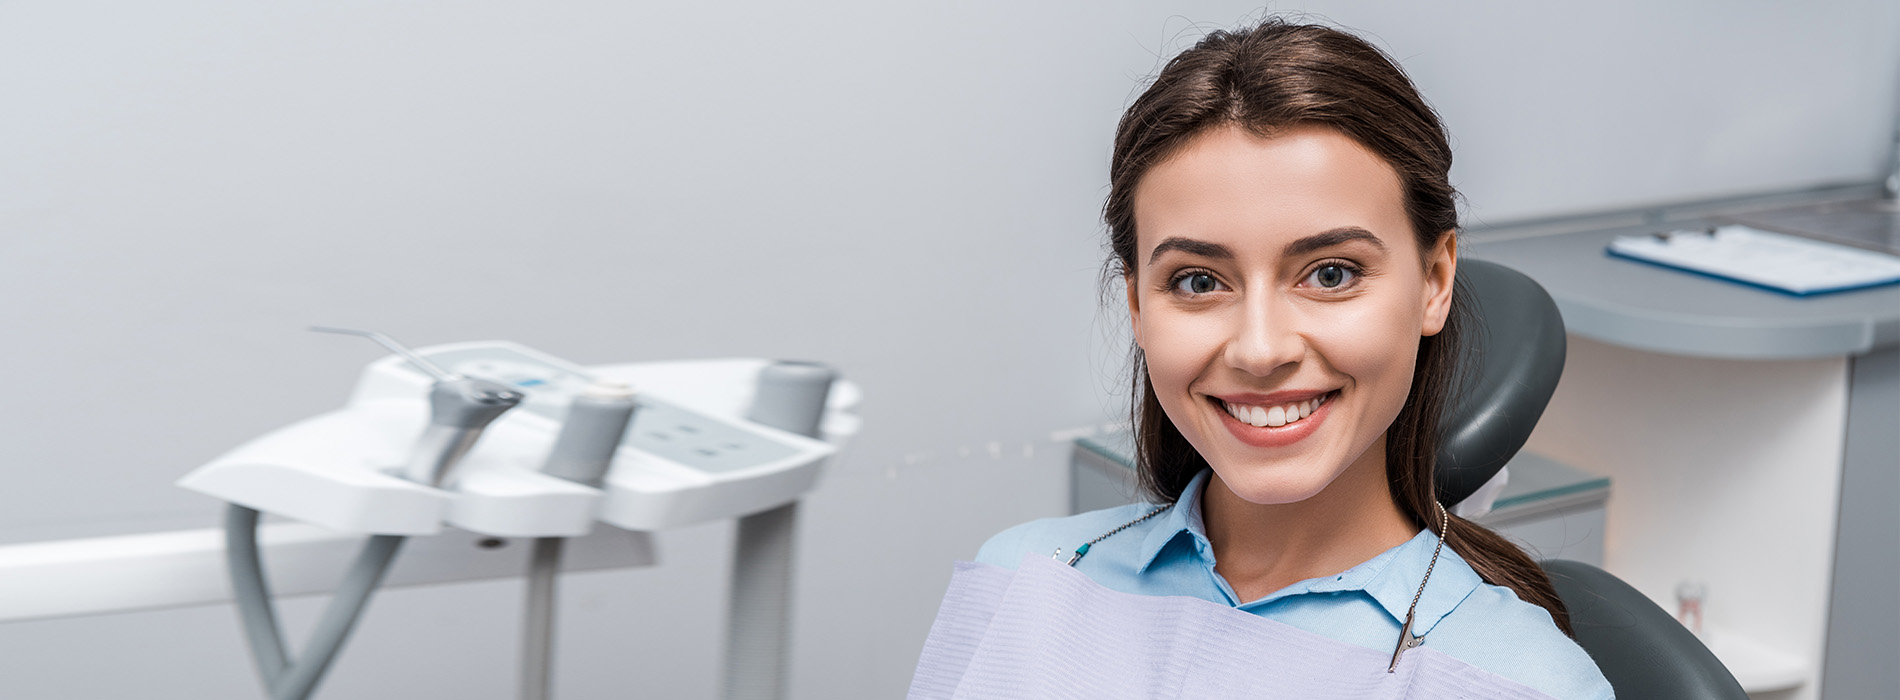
x=1514, y=356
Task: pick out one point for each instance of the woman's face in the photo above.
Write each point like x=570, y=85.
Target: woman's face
x=1278, y=296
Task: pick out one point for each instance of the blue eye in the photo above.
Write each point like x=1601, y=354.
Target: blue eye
x=1196, y=283
x=1331, y=276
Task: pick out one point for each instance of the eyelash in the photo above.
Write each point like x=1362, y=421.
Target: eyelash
x=1173, y=285
x=1358, y=273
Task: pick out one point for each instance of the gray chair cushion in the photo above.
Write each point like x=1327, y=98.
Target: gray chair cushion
x=1514, y=354
x=1640, y=648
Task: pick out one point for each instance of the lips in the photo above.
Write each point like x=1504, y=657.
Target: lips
x=1274, y=420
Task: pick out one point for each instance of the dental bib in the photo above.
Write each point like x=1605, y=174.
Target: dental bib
x=1046, y=631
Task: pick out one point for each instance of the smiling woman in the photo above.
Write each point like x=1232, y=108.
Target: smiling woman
x=1281, y=216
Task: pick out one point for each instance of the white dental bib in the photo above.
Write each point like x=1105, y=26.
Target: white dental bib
x=1045, y=631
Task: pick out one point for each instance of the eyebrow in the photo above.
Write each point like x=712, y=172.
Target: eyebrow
x=1328, y=239
x=1191, y=247
x=1317, y=241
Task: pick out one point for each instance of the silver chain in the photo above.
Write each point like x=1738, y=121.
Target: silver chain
x=1084, y=549
x=1444, y=522
x=1129, y=524
x=1406, y=639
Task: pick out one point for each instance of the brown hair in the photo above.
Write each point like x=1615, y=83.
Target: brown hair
x=1265, y=79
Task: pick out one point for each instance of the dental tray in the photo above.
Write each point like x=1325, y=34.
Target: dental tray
x=688, y=456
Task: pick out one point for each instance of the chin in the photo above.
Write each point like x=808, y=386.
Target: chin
x=1266, y=488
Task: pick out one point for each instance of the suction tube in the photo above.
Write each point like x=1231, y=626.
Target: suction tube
x=253, y=593
x=791, y=396
x=596, y=423
x=284, y=678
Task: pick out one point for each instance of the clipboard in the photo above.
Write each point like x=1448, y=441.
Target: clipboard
x=1749, y=256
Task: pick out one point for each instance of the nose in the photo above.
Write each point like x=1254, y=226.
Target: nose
x=1265, y=337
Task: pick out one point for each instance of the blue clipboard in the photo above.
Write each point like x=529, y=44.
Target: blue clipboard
x=1765, y=260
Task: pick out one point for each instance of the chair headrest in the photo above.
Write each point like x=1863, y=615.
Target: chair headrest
x=1514, y=354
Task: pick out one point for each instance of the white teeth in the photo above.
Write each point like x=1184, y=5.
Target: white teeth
x=1274, y=416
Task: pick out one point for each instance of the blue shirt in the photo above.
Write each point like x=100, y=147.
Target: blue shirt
x=1483, y=625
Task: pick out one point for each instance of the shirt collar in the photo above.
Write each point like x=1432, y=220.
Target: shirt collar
x=1391, y=578
x=1184, y=519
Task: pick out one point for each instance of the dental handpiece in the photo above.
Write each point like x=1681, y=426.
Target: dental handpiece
x=596, y=422
x=460, y=408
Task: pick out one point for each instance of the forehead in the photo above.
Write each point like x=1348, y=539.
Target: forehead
x=1256, y=194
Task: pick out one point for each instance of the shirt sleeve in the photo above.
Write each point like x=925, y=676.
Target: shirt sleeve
x=1497, y=632
x=1006, y=548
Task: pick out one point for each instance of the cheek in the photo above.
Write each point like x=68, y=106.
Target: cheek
x=1368, y=337
x=1178, y=347
x=1377, y=346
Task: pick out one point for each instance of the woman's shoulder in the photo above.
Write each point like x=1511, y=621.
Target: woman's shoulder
x=1044, y=536
x=1495, y=630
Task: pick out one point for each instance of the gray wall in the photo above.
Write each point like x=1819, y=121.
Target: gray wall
x=908, y=191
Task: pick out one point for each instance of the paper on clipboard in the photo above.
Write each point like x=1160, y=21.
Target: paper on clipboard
x=1775, y=261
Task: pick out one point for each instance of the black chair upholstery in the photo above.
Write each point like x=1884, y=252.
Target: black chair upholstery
x=1515, y=355
x=1642, y=650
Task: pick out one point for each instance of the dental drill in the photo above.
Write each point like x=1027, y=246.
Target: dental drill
x=460, y=409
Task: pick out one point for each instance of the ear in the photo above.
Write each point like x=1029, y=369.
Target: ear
x=1441, y=269
x=1134, y=306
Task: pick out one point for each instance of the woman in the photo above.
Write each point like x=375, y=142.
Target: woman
x=1281, y=216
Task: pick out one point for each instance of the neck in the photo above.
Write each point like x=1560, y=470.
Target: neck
x=1260, y=548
